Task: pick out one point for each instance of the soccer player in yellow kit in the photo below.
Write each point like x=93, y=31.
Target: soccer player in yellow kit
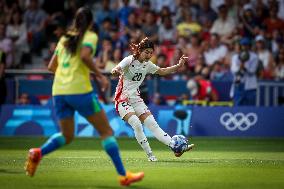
x=72, y=91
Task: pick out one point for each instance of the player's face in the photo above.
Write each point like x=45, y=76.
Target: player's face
x=146, y=54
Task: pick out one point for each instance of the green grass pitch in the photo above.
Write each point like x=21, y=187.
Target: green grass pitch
x=215, y=163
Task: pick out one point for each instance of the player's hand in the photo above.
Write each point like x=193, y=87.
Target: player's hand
x=182, y=60
x=116, y=71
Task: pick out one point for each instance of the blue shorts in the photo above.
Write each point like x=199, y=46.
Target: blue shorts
x=66, y=105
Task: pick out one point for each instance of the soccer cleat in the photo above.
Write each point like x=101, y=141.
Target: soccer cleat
x=152, y=158
x=33, y=160
x=189, y=147
x=130, y=178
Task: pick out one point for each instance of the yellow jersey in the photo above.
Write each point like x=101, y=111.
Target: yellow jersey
x=72, y=76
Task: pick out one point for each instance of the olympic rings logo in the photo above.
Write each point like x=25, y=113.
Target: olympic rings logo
x=238, y=121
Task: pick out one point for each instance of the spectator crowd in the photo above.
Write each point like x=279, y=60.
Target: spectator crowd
x=211, y=33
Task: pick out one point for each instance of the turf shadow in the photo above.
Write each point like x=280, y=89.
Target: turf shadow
x=7, y=171
x=92, y=186
x=185, y=161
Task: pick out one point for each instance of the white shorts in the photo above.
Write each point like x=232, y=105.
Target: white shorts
x=125, y=107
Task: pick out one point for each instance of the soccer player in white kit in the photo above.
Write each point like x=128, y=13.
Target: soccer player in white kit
x=128, y=103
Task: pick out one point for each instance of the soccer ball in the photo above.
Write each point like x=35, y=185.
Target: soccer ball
x=178, y=143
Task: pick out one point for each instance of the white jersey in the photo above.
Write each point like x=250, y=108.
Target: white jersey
x=133, y=74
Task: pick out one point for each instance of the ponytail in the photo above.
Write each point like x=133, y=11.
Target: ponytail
x=80, y=25
x=136, y=49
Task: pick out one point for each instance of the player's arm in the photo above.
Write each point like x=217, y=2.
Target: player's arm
x=118, y=69
x=52, y=65
x=86, y=56
x=172, y=69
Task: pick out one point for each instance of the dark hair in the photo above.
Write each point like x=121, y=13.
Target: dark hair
x=80, y=25
x=138, y=48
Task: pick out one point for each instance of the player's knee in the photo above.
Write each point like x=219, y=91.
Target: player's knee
x=68, y=138
x=135, y=123
x=106, y=133
x=150, y=122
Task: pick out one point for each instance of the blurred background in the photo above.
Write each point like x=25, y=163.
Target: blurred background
x=233, y=84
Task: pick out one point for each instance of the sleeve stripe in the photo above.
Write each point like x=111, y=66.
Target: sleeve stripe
x=92, y=46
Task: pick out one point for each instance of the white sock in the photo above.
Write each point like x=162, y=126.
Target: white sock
x=139, y=134
x=151, y=124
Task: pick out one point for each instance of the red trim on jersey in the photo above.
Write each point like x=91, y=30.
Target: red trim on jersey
x=118, y=93
x=116, y=107
x=118, y=89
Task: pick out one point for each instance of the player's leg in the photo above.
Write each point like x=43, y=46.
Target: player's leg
x=109, y=143
x=65, y=114
x=99, y=120
x=135, y=123
x=127, y=113
x=53, y=143
x=147, y=118
x=150, y=122
x=59, y=139
x=189, y=147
